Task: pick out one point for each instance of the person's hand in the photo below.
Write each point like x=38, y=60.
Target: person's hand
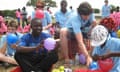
x=105, y=56
x=88, y=60
x=40, y=45
x=14, y=46
x=96, y=57
x=44, y=28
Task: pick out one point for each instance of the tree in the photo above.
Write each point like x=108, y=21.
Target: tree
x=96, y=10
x=113, y=8
x=49, y=3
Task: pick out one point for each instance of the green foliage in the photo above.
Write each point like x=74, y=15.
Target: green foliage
x=49, y=3
x=96, y=10
x=113, y=8
x=31, y=2
x=10, y=13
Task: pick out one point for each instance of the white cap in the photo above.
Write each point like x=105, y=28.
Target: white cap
x=99, y=35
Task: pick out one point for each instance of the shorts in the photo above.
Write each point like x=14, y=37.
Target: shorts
x=71, y=34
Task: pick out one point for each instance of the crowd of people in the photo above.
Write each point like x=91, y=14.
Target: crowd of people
x=80, y=26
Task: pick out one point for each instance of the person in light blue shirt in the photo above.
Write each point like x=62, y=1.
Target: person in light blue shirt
x=7, y=55
x=78, y=27
x=62, y=15
x=47, y=20
x=2, y=40
x=106, y=10
x=10, y=50
x=71, y=9
x=12, y=27
x=105, y=46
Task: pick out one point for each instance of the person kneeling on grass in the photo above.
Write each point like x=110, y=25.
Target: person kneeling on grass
x=30, y=54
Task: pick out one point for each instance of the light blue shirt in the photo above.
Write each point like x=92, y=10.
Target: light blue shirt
x=46, y=20
x=106, y=11
x=11, y=51
x=112, y=45
x=62, y=17
x=2, y=40
x=76, y=22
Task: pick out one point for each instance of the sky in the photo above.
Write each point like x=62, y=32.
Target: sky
x=95, y=3
x=14, y=4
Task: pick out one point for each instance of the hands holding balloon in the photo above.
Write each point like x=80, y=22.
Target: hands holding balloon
x=48, y=43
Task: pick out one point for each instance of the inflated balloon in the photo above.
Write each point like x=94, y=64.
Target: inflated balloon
x=118, y=33
x=39, y=14
x=55, y=70
x=12, y=38
x=113, y=34
x=87, y=70
x=49, y=44
x=82, y=59
x=105, y=65
x=93, y=66
x=61, y=68
x=17, y=69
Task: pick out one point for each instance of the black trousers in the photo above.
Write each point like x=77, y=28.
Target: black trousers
x=36, y=62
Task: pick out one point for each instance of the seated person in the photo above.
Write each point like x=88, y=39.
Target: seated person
x=105, y=46
x=30, y=54
x=7, y=51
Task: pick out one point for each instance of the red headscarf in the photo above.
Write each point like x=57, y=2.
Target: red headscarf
x=109, y=23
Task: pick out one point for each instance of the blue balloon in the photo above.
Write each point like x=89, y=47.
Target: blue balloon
x=93, y=66
x=12, y=38
x=113, y=34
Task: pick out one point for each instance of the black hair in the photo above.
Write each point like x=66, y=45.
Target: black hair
x=63, y=1
x=70, y=7
x=19, y=9
x=117, y=9
x=23, y=8
x=84, y=9
x=35, y=20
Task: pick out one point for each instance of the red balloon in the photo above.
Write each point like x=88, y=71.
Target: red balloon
x=88, y=70
x=17, y=69
x=81, y=70
x=105, y=65
x=39, y=14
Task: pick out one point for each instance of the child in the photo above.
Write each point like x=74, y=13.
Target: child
x=7, y=53
x=105, y=46
x=3, y=27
